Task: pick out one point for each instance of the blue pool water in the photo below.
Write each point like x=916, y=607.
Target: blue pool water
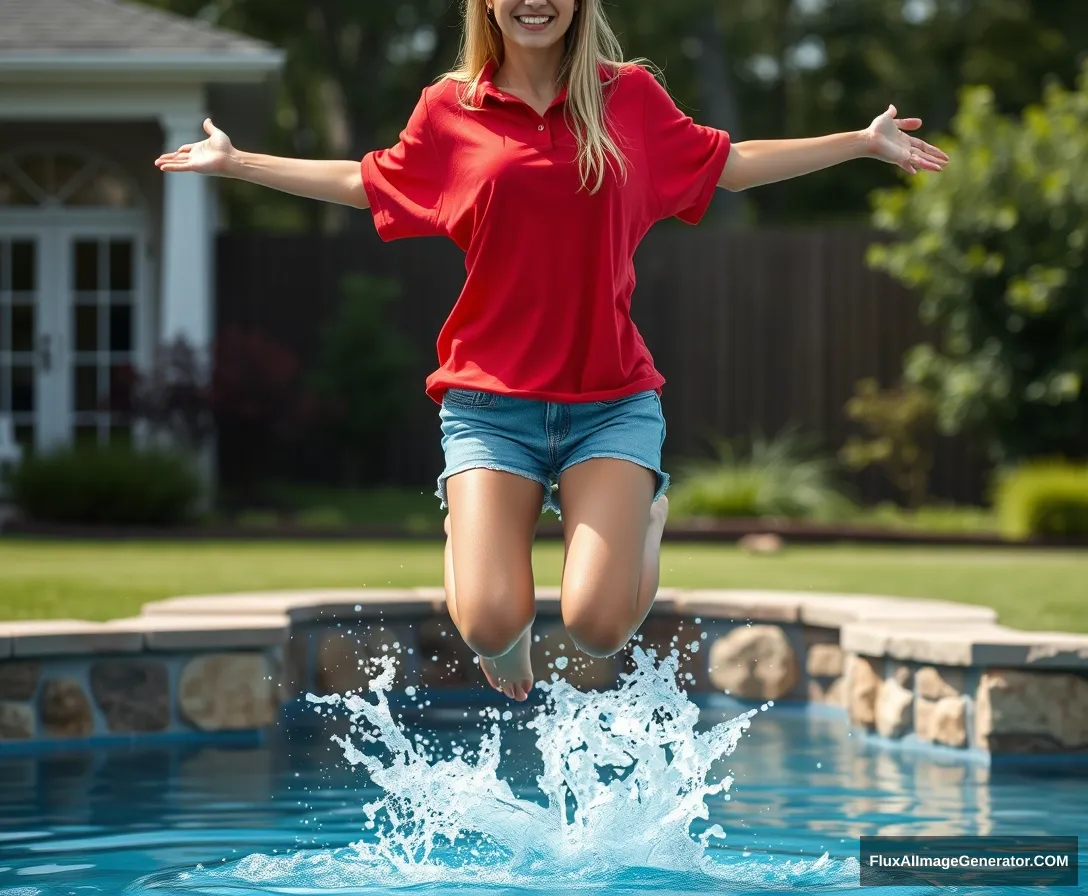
x=288, y=815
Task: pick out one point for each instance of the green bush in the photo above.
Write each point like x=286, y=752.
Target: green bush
x=258, y=519
x=361, y=372
x=781, y=477
x=930, y=518
x=996, y=249
x=899, y=425
x=322, y=518
x=115, y=485
x=1043, y=498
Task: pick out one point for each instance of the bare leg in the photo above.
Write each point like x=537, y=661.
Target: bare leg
x=613, y=530
x=490, y=591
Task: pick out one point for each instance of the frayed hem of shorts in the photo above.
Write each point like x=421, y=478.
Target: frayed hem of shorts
x=549, y=491
x=664, y=481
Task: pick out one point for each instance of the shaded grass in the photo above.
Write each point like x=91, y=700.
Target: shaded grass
x=1031, y=589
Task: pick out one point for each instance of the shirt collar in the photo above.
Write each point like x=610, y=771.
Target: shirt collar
x=488, y=88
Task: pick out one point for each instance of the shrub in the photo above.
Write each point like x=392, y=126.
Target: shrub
x=257, y=519
x=784, y=477
x=322, y=518
x=256, y=386
x=172, y=398
x=996, y=249
x=931, y=518
x=360, y=372
x=1043, y=498
x=900, y=424
x=114, y=485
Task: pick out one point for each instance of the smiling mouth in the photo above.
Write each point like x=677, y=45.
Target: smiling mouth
x=534, y=21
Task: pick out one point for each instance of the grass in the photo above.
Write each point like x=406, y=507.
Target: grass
x=1033, y=589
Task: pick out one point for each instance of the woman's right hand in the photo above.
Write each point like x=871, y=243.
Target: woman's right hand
x=211, y=156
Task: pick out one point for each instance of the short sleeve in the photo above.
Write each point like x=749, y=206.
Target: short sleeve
x=686, y=159
x=404, y=183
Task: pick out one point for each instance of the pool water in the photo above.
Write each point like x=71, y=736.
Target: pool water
x=288, y=816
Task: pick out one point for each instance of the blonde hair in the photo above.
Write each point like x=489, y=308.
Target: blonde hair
x=591, y=43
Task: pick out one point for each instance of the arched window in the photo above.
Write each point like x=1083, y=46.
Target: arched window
x=62, y=178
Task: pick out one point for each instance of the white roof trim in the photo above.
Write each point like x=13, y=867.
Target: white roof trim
x=204, y=67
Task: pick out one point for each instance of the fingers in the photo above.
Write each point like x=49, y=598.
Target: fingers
x=931, y=151
x=918, y=162
x=209, y=128
x=908, y=124
x=180, y=151
x=174, y=161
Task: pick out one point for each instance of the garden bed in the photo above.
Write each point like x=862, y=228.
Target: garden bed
x=721, y=530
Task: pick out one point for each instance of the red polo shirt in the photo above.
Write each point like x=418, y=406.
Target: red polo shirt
x=545, y=309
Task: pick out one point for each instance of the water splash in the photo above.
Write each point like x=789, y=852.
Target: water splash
x=625, y=760
x=622, y=798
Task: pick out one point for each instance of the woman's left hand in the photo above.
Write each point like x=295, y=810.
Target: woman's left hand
x=887, y=140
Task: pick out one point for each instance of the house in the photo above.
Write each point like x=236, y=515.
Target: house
x=102, y=257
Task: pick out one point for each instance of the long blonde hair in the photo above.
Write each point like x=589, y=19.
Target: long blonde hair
x=590, y=43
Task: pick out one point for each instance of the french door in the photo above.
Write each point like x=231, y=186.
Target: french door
x=72, y=327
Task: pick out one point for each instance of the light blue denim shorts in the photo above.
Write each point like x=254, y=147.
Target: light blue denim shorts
x=540, y=440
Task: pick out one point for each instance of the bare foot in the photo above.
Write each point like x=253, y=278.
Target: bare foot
x=511, y=673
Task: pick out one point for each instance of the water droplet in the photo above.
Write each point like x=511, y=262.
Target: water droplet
x=632, y=733
x=560, y=662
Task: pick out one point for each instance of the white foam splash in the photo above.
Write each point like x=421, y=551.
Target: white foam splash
x=625, y=782
x=626, y=760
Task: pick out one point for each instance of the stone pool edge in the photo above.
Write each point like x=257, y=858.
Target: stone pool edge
x=901, y=671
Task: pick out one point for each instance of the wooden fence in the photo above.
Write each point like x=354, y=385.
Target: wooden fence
x=754, y=330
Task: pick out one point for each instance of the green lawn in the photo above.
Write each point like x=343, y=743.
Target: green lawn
x=38, y=579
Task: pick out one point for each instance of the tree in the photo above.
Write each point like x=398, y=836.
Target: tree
x=996, y=249
x=758, y=68
x=353, y=71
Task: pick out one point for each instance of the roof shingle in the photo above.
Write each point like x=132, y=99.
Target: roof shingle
x=44, y=27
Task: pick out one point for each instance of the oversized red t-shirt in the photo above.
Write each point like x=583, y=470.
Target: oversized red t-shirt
x=545, y=309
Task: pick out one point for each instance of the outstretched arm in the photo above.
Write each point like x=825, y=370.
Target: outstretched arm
x=753, y=163
x=338, y=181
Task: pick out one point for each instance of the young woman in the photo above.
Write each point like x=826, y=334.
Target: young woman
x=547, y=158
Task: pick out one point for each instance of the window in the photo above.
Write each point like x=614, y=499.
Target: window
x=63, y=179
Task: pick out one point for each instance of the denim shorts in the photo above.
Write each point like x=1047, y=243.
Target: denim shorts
x=539, y=440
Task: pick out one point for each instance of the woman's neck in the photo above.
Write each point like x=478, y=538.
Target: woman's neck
x=530, y=73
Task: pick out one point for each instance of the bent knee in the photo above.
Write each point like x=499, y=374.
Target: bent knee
x=491, y=627
x=597, y=634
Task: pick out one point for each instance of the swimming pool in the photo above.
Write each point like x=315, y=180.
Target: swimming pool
x=280, y=816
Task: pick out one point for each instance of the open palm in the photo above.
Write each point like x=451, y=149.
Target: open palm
x=888, y=140
x=207, y=157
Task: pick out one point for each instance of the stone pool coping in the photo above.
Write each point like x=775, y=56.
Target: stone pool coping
x=915, y=630
x=907, y=670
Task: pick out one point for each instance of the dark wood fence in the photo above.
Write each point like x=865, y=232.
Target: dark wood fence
x=754, y=330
